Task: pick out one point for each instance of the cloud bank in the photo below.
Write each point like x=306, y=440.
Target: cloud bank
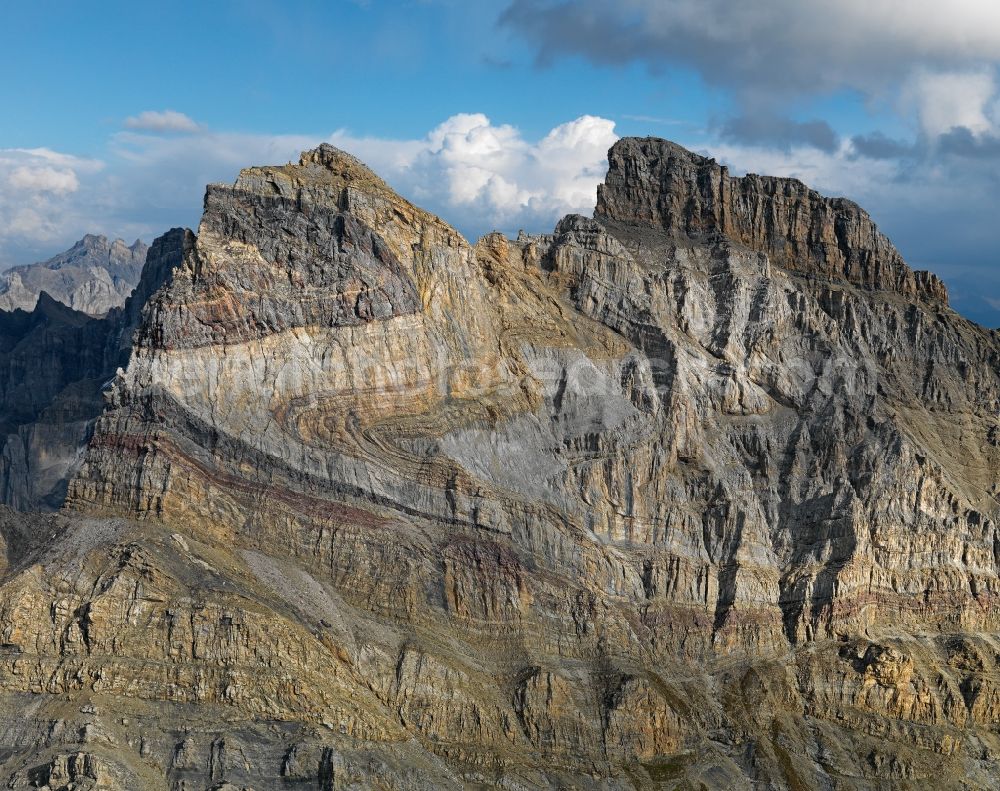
x=476, y=174
x=773, y=47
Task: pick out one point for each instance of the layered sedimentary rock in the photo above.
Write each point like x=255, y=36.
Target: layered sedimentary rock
x=54, y=363
x=93, y=276
x=697, y=493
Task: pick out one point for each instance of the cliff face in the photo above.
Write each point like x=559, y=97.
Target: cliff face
x=93, y=276
x=696, y=493
x=657, y=183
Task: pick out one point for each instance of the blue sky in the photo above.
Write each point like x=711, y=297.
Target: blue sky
x=497, y=113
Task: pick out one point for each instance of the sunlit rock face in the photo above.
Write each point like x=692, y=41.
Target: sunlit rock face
x=699, y=492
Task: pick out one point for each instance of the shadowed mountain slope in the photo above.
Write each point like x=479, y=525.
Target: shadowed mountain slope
x=54, y=363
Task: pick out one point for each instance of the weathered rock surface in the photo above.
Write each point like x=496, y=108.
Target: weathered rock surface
x=699, y=493
x=656, y=183
x=93, y=276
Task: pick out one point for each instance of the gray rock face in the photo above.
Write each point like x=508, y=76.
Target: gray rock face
x=289, y=266
x=700, y=492
x=657, y=183
x=93, y=276
x=54, y=363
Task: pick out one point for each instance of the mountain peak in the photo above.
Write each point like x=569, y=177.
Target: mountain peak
x=335, y=159
x=657, y=183
x=322, y=171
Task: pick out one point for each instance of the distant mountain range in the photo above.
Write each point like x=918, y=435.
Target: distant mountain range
x=93, y=276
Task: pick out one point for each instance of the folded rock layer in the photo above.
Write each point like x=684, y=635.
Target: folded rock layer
x=700, y=492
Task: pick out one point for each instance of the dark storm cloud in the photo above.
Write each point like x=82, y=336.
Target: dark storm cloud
x=779, y=132
x=948, y=149
x=878, y=146
x=961, y=142
x=770, y=47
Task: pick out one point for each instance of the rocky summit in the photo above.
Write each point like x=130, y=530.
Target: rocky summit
x=697, y=493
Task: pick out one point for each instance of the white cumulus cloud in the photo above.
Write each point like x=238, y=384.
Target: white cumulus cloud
x=38, y=198
x=481, y=175
x=950, y=100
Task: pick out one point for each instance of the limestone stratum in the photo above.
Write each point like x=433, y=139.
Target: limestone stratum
x=698, y=493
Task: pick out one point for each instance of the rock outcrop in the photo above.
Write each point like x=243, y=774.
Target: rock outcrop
x=93, y=276
x=698, y=493
x=657, y=183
